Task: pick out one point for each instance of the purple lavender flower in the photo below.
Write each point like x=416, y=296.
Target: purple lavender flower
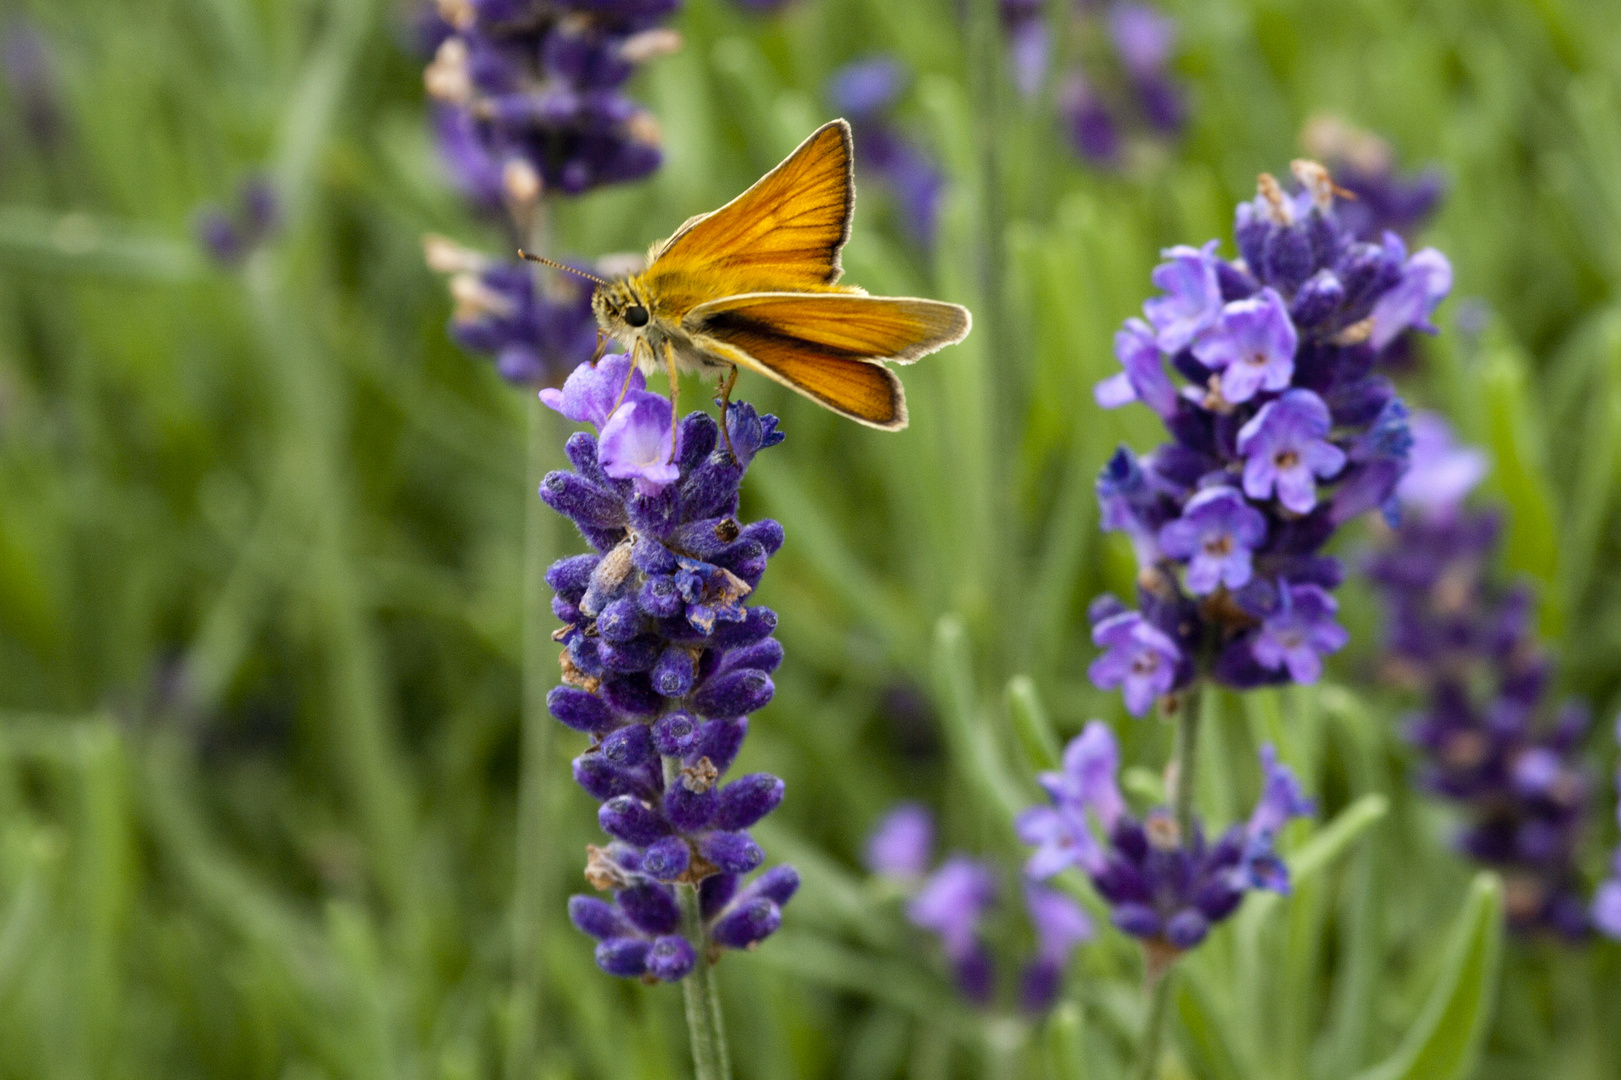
x=1300, y=632
x=1216, y=535
x=1281, y=800
x=1144, y=378
x=1466, y=642
x=229, y=236
x=1061, y=833
x=1426, y=280
x=1284, y=449
x=867, y=88
x=1060, y=925
x=1605, y=910
x=592, y=392
x=1252, y=343
x=1142, y=37
x=663, y=662
x=1091, y=126
x=901, y=845
x=639, y=443
x=1441, y=473
x=1192, y=301
x=1131, y=88
x=28, y=66
x=1168, y=888
x=1024, y=22
x=951, y=904
x=1294, y=436
x=1141, y=659
x=538, y=330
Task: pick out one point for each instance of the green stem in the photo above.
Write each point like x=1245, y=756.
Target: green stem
x=1159, y=1007
x=711, y=1060
x=1185, y=775
x=532, y=887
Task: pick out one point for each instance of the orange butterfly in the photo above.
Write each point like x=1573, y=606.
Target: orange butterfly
x=753, y=285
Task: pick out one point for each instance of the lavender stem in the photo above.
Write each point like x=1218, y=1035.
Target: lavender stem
x=711, y=1059
x=1184, y=777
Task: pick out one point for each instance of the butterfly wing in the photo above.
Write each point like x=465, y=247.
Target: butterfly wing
x=783, y=234
x=830, y=346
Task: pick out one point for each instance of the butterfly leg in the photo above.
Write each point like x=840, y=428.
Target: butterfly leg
x=602, y=347
x=725, y=402
x=624, y=389
x=675, y=392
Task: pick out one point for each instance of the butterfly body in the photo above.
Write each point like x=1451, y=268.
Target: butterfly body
x=755, y=285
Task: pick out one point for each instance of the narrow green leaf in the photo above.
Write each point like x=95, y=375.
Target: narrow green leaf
x=1066, y=1043
x=973, y=745
x=78, y=243
x=1201, y=1030
x=1443, y=1041
x=1513, y=429
x=1332, y=839
x=1031, y=724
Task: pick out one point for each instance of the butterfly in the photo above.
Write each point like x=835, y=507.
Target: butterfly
x=755, y=285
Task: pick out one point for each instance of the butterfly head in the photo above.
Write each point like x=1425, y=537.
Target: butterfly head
x=621, y=309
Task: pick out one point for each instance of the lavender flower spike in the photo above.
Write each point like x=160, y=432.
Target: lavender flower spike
x=662, y=662
x=1169, y=887
x=1141, y=659
x=1284, y=448
x=1217, y=534
x=1252, y=344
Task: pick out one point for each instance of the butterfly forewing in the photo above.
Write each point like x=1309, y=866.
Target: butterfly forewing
x=783, y=234
x=836, y=324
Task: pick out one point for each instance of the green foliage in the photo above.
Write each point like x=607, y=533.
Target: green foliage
x=263, y=541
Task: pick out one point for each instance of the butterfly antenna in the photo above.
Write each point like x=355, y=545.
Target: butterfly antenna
x=522, y=254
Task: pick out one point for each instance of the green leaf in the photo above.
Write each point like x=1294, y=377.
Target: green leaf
x=973, y=744
x=1203, y=1040
x=1066, y=1042
x=1442, y=1042
x=1336, y=836
x=1513, y=435
x=1030, y=723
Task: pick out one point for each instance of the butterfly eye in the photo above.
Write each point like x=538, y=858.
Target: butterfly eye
x=636, y=315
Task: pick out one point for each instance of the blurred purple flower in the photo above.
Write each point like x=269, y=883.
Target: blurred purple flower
x=901, y=844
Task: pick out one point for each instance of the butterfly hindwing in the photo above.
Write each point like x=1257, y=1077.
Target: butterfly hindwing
x=861, y=390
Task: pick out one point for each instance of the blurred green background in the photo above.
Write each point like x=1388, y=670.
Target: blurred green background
x=262, y=551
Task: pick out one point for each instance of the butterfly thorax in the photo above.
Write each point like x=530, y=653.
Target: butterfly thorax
x=642, y=320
